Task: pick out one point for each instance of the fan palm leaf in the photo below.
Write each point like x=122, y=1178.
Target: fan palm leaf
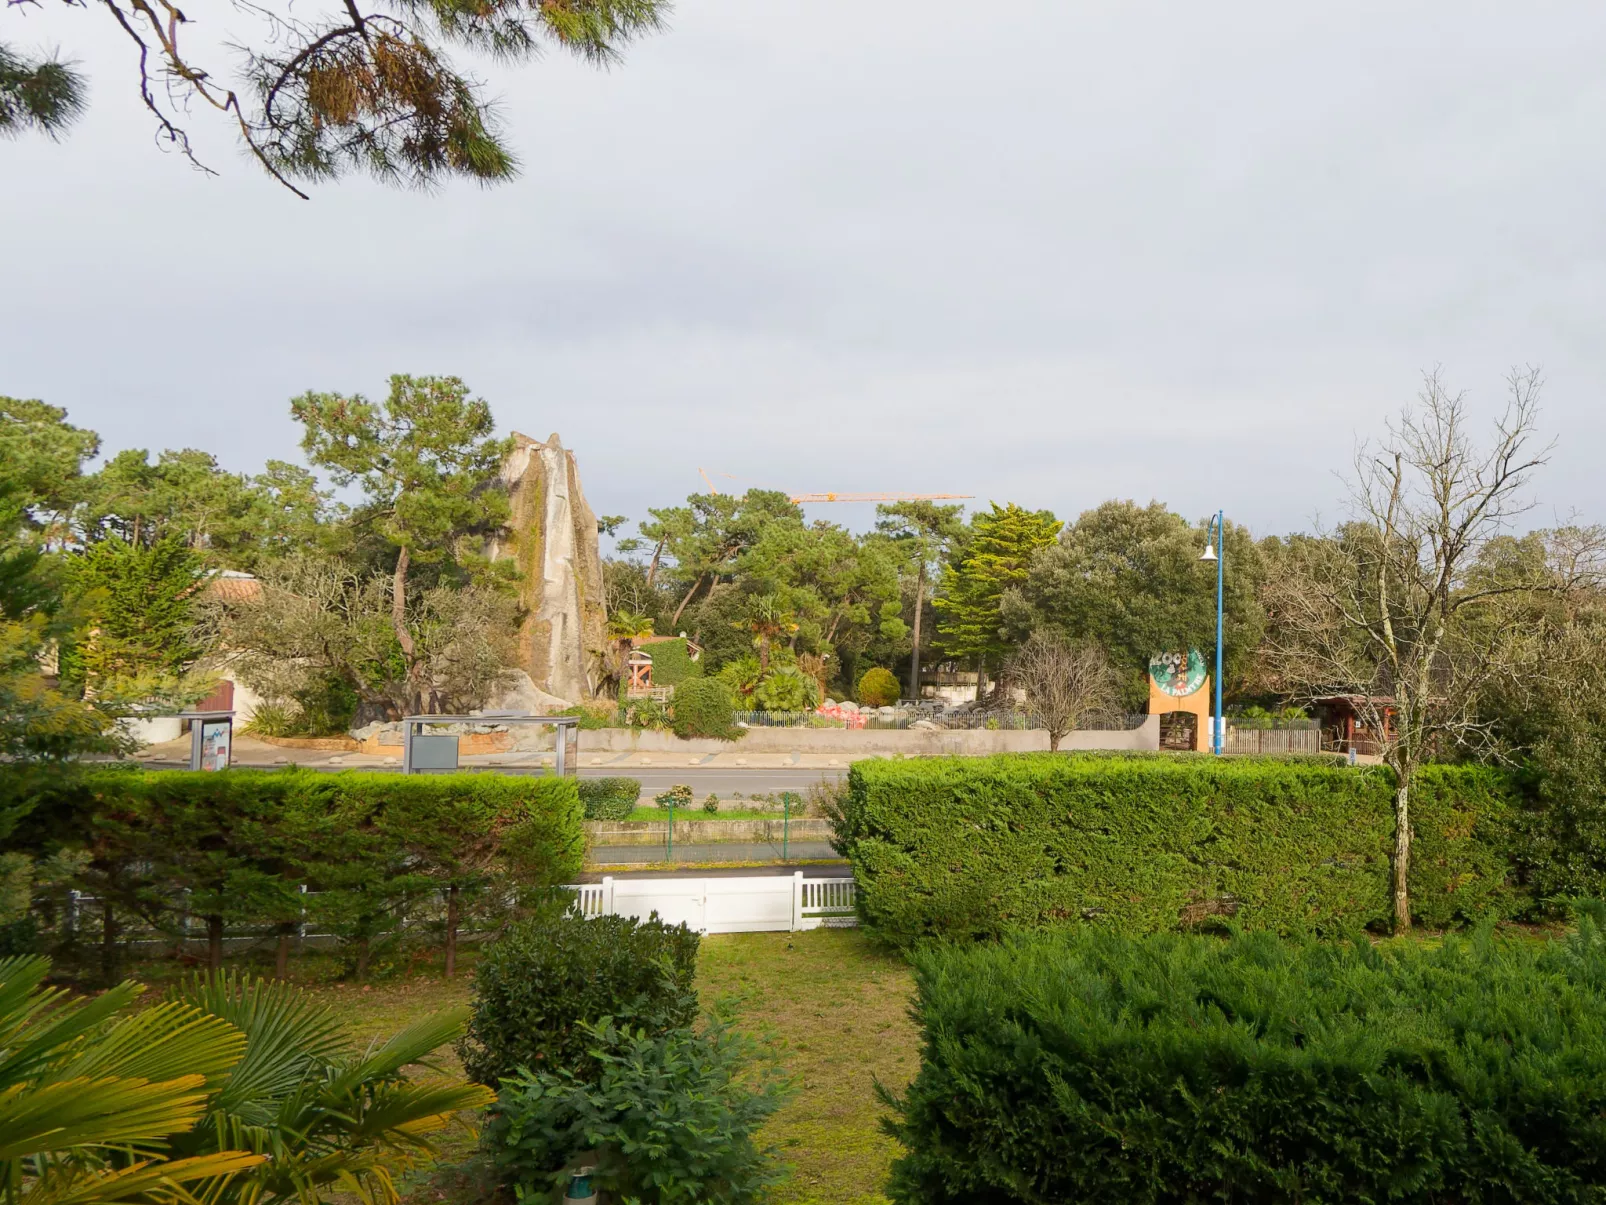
x=326, y=1116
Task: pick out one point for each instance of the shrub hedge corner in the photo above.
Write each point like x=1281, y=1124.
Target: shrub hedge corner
x=1082, y=1065
x=978, y=847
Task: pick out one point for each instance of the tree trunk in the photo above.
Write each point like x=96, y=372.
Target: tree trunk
x=763, y=654
x=652, y=569
x=281, y=957
x=362, y=958
x=685, y=600
x=214, y=942
x=1402, y=857
x=981, y=678
x=914, y=656
x=451, y=931
x=398, y=624
x=108, y=941
x=1055, y=736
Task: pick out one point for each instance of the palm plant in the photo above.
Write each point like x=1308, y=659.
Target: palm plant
x=327, y=1115
x=87, y=1098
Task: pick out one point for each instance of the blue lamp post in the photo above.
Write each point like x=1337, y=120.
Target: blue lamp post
x=1217, y=552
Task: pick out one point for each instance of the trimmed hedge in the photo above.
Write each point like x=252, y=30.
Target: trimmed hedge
x=609, y=798
x=702, y=708
x=671, y=662
x=1087, y=1066
x=233, y=847
x=977, y=847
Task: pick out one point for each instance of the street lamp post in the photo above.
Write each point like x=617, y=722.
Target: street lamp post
x=1217, y=552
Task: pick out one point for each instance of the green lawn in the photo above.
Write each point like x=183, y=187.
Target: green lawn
x=695, y=812
x=835, y=1002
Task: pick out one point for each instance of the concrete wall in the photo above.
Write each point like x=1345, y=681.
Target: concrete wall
x=867, y=742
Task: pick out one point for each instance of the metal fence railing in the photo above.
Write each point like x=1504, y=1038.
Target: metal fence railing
x=959, y=721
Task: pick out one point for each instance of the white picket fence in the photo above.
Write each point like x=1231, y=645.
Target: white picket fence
x=750, y=904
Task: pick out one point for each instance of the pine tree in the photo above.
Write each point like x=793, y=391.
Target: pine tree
x=994, y=558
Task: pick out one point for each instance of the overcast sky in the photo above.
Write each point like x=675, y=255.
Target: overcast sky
x=1037, y=251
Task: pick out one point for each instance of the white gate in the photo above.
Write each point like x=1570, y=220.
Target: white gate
x=749, y=904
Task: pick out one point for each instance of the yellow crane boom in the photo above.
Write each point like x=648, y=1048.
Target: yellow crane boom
x=876, y=497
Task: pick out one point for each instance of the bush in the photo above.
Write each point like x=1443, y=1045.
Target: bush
x=536, y=987
x=711, y=804
x=701, y=708
x=677, y=796
x=670, y=1117
x=970, y=847
x=609, y=798
x=787, y=688
x=879, y=687
x=1091, y=1067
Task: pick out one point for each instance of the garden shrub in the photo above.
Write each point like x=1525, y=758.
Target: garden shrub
x=536, y=986
x=879, y=687
x=786, y=688
x=677, y=796
x=974, y=847
x=701, y=707
x=609, y=798
x=671, y=662
x=671, y=1118
x=1088, y=1066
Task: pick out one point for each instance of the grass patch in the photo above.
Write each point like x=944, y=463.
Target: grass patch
x=839, y=1004
x=695, y=812
x=836, y=1001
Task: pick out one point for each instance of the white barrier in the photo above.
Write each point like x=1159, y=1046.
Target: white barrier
x=750, y=904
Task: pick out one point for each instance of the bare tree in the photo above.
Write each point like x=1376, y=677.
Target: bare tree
x=1064, y=683
x=1396, y=609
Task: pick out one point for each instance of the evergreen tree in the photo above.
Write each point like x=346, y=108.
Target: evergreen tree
x=995, y=557
x=137, y=614
x=428, y=460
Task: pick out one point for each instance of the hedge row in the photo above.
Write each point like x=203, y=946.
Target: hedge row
x=235, y=848
x=976, y=847
x=609, y=798
x=1087, y=1066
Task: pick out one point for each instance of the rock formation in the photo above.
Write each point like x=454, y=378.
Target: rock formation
x=552, y=536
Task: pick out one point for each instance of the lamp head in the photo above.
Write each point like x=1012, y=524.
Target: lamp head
x=1209, y=554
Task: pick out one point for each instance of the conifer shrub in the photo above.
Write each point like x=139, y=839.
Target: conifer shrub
x=701, y=707
x=538, y=986
x=1083, y=1065
x=878, y=687
x=609, y=798
x=979, y=847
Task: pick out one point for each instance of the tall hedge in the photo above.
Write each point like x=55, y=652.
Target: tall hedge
x=973, y=847
x=1170, y=1069
x=232, y=847
x=671, y=662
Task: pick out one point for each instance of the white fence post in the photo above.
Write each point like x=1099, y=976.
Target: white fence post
x=797, y=900
x=607, y=895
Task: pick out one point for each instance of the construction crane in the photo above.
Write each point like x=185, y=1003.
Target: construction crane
x=876, y=497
